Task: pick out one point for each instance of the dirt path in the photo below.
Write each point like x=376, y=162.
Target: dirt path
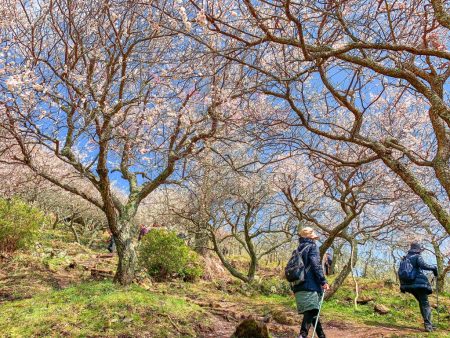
x=226, y=318
x=225, y=313
x=339, y=329
x=225, y=328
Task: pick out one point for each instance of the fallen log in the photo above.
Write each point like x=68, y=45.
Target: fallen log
x=98, y=273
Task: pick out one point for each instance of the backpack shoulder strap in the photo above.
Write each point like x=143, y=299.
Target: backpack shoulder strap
x=301, y=252
x=412, y=260
x=415, y=263
x=306, y=247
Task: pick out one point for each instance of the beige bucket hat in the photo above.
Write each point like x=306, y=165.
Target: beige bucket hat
x=308, y=233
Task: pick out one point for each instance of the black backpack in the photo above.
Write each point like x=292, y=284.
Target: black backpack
x=295, y=270
x=406, y=271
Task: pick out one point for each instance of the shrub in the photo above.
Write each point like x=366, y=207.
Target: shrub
x=19, y=224
x=277, y=286
x=163, y=255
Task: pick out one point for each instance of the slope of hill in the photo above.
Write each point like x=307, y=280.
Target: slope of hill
x=61, y=288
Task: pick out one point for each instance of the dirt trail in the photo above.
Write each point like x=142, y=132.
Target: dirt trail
x=339, y=329
x=224, y=329
x=226, y=319
x=225, y=314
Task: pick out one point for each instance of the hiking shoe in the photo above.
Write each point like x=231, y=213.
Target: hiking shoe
x=429, y=328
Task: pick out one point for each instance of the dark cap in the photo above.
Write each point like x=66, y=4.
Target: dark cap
x=416, y=247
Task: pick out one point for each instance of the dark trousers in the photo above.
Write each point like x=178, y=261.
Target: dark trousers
x=425, y=309
x=111, y=245
x=309, y=319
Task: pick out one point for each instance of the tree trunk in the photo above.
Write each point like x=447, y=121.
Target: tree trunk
x=126, y=243
x=394, y=266
x=441, y=282
x=440, y=266
x=337, y=283
x=352, y=265
x=337, y=254
x=366, y=265
x=126, y=267
x=343, y=274
x=201, y=240
x=252, y=268
x=232, y=270
x=74, y=231
x=55, y=223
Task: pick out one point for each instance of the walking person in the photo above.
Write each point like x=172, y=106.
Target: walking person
x=328, y=264
x=111, y=243
x=143, y=230
x=414, y=281
x=309, y=292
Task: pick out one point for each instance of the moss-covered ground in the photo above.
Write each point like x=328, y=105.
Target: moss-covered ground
x=49, y=291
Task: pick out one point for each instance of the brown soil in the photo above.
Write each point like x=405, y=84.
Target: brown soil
x=227, y=315
x=225, y=325
x=20, y=279
x=224, y=314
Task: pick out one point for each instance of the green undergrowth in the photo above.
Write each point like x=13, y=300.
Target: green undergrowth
x=46, y=290
x=100, y=309
x=403, y=313
x=19, y=224
x=403, y=308
x=51, y=261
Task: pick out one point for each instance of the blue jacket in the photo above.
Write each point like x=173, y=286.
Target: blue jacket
x=421, y=282
x=314, y=278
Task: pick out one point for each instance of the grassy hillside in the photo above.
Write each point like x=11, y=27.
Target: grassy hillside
x=404, y=309
x=100, y=309
x=50, y=290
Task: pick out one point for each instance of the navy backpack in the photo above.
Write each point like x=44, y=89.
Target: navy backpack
x=295, y=269
x=406, y=271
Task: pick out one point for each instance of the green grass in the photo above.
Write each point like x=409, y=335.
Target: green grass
x=405, y=317
x=404, y=309
x=103, y=309
x=99, y=309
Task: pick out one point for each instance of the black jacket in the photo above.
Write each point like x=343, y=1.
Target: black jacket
x=314, y=278
x=421, y=282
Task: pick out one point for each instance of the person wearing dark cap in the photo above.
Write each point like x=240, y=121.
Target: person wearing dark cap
x=328, y=264
x=417, y=284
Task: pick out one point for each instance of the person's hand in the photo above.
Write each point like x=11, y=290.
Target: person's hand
x=326, y=287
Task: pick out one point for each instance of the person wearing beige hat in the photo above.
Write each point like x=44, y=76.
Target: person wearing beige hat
x=309, y=292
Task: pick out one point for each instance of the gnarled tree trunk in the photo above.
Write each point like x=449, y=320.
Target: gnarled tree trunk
x=126, y=267
x=126, y=243
x=442, y=269
x=231, y=269
x=201, y=240
x=343, y=274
